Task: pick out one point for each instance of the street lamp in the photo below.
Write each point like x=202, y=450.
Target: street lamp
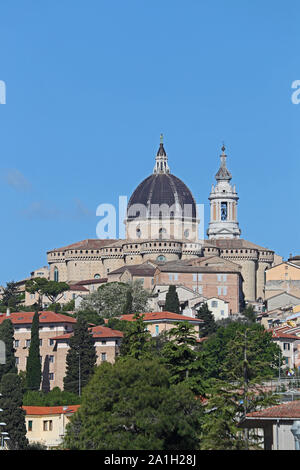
x=296, y=433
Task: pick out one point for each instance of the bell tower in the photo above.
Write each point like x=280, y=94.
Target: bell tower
x=223, y=205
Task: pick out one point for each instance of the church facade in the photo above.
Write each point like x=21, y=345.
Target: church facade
x=162, y=226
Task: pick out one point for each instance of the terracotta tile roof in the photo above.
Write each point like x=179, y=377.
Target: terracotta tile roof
x=18, y=318
x=135, y=270
x=236, y=243
x=160, y=316
x=90, y=281
x=283, y=334
x=290, y=410
x=97, y=331
x=50, y=410
x=76, y=287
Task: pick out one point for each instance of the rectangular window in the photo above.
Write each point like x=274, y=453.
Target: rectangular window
x=222, y=313
x=199, y=277
x=194, y=277
x=103, y=356
x=17, y=361
x=41, y=342
x=17, y=343
x=51, y=342
x=29, y=425
x=51, y=376
x=200, y=289
x=27, y=343
x=103, y=342
x=286, y=346
x=156, y=330
x=51, y=359
x=214, y=304
x=45, y=425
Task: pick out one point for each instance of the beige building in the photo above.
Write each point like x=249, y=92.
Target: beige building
x=162, y=225
x=46, y=425
x=160, y=322
x=54, y=333
x=107, y=343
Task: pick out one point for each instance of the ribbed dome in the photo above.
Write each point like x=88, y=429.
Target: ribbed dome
x=158, y=189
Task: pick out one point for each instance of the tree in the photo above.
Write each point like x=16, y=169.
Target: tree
x=45, y=375
x=249, y=313
x=54, y=397
x=128, y=304
x=11, y=296
x=7, y=335
x=81, y=358
x=135, y=342
x=208, y=326
x=53, y=290
x=33, y=366
x=220, y=348
x=181, y=358
x=132, y=406
x=13, y=414
x=172, y=301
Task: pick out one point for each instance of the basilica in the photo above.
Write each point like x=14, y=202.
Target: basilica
x=162, y=226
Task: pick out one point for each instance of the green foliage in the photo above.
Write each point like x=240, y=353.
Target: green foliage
x=55, y=397
x=172, y=301
x=223, y=352
x=33, y=366
x=7, y=335
x=56, y=307
x=109, y=300
x=13, y=414
x=132, y=406
x=249, y=314
x=135, y=342
x=225, y=411
x=11, y=296
x=81, y=357
x=53, y=290
x=127, y=309
x=208, y=326
x=90, y=316
x=69, y=306
x=181, y=358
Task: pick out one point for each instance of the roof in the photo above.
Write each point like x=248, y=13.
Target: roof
x=97, y=332
x=161, y=189
x=88, y=244
x=281, y=334
x=44, y=317
x=90, y=281
x=50, y=410
x=136, y=270
x=289, y=410
x=77, y=287
x=235, y=243
x=160, y=316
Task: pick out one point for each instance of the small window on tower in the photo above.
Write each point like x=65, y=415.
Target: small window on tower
x=223, y=210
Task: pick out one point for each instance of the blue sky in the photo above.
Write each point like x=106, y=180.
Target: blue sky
x=92, y=84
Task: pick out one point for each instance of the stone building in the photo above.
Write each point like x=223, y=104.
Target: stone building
x=162, y=225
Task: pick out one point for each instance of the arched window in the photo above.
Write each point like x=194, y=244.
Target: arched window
x=56, y=274
x=97, y=276
x=161, y=258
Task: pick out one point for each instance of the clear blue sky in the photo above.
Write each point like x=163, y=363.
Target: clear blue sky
x=92, y=84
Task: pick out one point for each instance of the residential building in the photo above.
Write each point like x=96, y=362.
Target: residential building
x=46, y=425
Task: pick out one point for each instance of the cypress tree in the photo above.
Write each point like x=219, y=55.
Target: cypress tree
x=208, y=326
x=45, y=376
x=127, y=309
x=7, y=335
x=81, y=358
x=13, y=415
x=33, y=366
x=172, y=301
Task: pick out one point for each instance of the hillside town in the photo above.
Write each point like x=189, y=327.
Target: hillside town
x=100, y=301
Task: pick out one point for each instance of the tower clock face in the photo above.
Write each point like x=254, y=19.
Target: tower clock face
x=223, y=210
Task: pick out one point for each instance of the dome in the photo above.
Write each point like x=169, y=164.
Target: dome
x=161, y=189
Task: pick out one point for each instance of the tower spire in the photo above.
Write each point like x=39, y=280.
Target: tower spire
x=161, y=159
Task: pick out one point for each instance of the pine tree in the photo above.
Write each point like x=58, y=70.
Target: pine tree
x=208, y=326
x=172, y=301
x=7, y=335
x=127, y=309
x=13, y=415
x=81, y=358
x=33, y=366
x=136, y=339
